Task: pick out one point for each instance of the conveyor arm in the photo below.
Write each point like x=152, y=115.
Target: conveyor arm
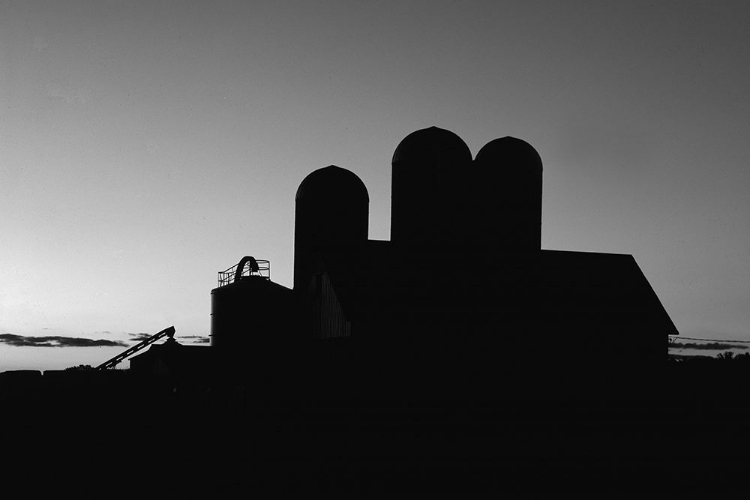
x=129, y=352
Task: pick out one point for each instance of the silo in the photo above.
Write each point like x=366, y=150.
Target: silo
x=509, y=194
x=332, y=210
x=429, y=195
x=249, y=312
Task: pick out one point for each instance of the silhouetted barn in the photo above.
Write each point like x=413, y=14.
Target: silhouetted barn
x=464, y=289
x=462, y=295
x=581, y=313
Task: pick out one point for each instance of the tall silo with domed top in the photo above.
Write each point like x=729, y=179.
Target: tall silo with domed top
x=429, y=191
x=332, y=210
x=508, y=178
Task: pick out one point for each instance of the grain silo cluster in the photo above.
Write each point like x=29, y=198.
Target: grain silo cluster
x=462, y=292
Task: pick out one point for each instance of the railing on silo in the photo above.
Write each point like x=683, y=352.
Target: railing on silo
x=247, y=267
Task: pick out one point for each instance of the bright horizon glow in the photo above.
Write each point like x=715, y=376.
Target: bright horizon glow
x=145, y=146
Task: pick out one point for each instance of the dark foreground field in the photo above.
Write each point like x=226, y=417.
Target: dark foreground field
x=686, y=432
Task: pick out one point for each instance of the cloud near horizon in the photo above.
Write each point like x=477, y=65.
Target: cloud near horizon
x=56, y=341
x=139, y=337
x=713, y=346
x=191, y=339
x=196, y=339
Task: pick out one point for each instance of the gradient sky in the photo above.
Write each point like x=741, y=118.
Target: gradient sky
x=147, y=145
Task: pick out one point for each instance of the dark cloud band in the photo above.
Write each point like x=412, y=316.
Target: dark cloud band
x=196, y=339
x=139, y=337
x=713, y=346
x=56, y=341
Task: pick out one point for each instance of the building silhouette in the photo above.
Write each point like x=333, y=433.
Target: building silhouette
x=462, y=296
x=446, y=356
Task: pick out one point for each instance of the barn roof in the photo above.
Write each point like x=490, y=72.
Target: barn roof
x=546, y=291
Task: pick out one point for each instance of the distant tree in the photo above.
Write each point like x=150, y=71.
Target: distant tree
x=79, y=368
x=725, y=356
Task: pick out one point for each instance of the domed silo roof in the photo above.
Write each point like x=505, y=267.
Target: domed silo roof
x=432, y=145
x=509, y=192
x=510, y=151
x=329, y=183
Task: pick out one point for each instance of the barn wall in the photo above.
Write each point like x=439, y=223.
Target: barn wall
x=329, y=320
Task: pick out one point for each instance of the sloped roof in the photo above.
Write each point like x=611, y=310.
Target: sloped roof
x=543, y=292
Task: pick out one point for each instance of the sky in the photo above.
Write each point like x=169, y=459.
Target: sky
x=147, y=145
